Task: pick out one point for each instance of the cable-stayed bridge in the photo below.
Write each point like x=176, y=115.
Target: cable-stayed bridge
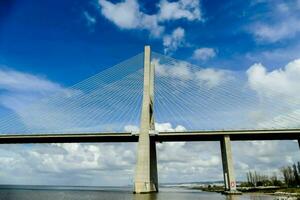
x=153, y=98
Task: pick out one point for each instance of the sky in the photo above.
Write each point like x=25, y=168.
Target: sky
x=247, y=48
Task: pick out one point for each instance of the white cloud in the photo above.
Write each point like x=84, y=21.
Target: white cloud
x=131, y=128
x=211, y=77
x=161, y=127
x=276, y=57
x=20, y=89
x=280, y=22
x=173, y=41
x=204, y=53
x=278, y=93
x=124, y=14
x=177, y=70
x=283, y=83
x=69, y=164
x=31, y=104
x=188, y=9
x=183, y=71
x=89, y=18
x=278, y=31
x=28, y=97
x=266, y=157
x=284, y=120
x=23, y=82
x=127, y=15
x=167, y=127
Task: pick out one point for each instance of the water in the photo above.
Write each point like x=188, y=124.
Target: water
x=113, y=193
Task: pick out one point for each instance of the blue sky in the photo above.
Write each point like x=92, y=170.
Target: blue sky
x=249, y=47
x=55, y=38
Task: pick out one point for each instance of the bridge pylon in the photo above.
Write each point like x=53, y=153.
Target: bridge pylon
x=146, y=180
x=228, y=168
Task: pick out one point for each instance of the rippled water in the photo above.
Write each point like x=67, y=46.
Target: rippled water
x=114, y=193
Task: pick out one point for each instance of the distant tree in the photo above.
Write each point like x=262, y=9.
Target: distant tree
x=288, y=176
x=275, y=181
x=298, y=166
x=296, y=175
x=291, y=175
x=255, y=179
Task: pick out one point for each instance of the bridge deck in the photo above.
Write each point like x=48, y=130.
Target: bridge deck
x=235, y=135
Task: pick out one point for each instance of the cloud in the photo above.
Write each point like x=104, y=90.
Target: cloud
x=131, y=128
x=208, y=78
x=173, y=41
x=91, y=21
x=127, y=15
x=31, y=104
x=276, y=57
x=182, y=9
x=204, y=53
x=283, y=120
x=281, y=22
x=278, y=31
x=278, y=93
x=11, y=80
x=283, y=83
x=67, y=164
x=30, y=99
x=19, y=89
x=167, y=127
x=211, y=78
x=177, y=70
x=161, y=127
x=124, y=14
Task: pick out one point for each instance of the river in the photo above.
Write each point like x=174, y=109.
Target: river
x=113, y=193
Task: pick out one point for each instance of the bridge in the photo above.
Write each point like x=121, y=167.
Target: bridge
x=146, y=177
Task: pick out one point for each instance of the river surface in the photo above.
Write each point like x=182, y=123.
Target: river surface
x=113, y=193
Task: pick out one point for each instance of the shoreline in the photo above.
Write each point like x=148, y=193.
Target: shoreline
x=274, y=191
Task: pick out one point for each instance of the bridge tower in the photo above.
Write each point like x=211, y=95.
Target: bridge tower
x=228, y=169
x=146, y=167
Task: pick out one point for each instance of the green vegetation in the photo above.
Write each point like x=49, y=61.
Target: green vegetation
x=289, y=184
x=255, y=179
x=290, y=174
x=271, y=184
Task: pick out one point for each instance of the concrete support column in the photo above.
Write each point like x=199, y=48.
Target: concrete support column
x=146, y=167
x=228, y=170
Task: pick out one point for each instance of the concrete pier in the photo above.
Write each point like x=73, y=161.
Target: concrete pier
x=146, y=167
x=228, y=169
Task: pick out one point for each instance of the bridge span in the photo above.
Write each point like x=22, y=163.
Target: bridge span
x=235, y=135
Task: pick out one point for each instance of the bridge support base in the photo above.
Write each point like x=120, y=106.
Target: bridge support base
x=228, y=170
x=146, y=180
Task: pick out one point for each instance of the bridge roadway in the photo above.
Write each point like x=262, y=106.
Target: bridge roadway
x=235, y=135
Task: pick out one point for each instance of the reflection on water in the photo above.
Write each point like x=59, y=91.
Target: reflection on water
x=200, y=195
x=233, y=197
x=116, y=194
x=152, y=196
